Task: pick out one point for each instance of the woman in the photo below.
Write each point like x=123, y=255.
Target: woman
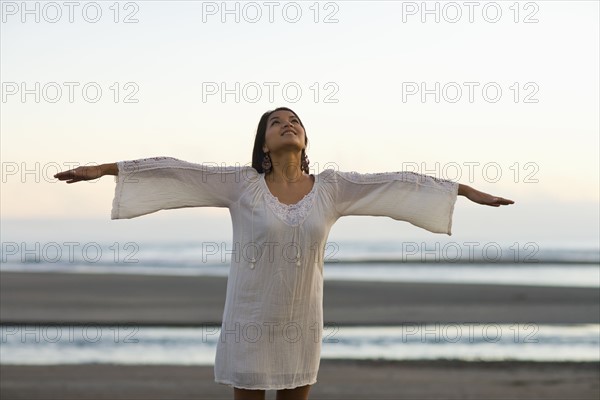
x=273, y=318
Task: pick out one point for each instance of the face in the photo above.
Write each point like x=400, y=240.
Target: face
x=284, y=132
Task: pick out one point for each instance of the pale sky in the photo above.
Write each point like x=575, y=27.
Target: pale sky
x=361, y=77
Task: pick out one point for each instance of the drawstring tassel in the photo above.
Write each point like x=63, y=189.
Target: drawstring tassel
x=252, y=260
x=298, y=249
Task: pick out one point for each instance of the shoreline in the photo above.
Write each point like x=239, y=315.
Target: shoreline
x=113, y=299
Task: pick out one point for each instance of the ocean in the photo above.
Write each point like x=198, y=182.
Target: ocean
x=373, y=261
x=48, y=345
x=522, y=264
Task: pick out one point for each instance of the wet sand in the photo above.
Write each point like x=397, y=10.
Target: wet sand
x=59, y=298
x=54, y=298
x=337, y=380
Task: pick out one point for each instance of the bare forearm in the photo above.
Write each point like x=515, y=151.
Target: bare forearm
x=463, y=189
x=109, y=169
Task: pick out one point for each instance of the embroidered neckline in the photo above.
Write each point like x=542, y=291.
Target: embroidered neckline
x=291, y=214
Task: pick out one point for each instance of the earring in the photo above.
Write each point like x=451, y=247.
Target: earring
x=266, y=163
x=305, y=162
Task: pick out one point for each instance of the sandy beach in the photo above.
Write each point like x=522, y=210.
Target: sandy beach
x=72, y=299
x=193, y=301
x=337, y=380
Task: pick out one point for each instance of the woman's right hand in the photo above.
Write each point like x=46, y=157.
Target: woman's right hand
x=81, y=174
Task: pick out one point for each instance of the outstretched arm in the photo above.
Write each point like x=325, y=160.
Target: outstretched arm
x=151, y=184
x=87, y=173
x=482, y=198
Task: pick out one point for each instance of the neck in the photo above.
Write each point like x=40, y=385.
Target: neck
x=285, y=167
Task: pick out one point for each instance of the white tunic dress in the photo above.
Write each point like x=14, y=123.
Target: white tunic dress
x=272, y=324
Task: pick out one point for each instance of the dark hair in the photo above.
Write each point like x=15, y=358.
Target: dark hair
x=259, y=140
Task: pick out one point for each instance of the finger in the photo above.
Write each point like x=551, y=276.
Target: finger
x=502, y=201
x=64, y=175
x=505, y=201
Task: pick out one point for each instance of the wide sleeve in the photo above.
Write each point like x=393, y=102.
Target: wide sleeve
x=421, y=200
x=148, y=185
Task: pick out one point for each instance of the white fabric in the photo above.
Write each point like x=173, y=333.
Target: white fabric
x=272, y=324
